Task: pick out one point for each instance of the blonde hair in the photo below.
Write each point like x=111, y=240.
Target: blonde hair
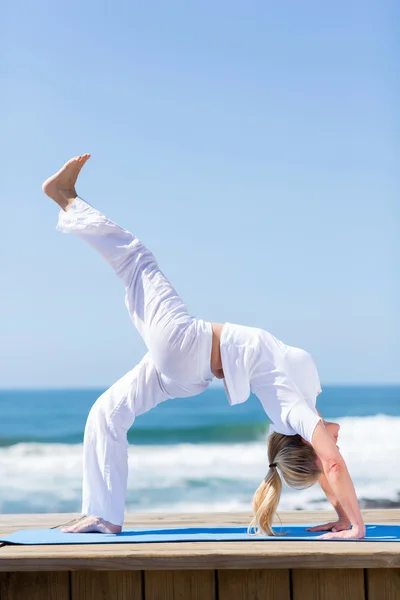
x=297, y=464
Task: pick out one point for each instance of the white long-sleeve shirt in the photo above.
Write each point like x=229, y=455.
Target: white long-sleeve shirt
x=284, y=378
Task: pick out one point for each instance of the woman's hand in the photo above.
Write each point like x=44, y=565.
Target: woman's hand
x=356, y=533
x=341, y=524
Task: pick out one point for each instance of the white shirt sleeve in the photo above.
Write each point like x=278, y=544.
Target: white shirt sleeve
x=303, y=419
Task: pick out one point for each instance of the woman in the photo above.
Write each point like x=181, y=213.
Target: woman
x=184, y=355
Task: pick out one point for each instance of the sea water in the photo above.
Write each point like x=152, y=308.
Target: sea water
x=196, y=454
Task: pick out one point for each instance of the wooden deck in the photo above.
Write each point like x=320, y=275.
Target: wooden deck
x=278, y=570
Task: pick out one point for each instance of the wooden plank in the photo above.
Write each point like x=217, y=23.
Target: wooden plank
x=35, y=586
x=254, y=584
x=328, y=584
x=202, y=555
x=118, y=585
x=383, y=584
x=179, y=585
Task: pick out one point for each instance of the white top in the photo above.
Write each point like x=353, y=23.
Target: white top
x=285, y=379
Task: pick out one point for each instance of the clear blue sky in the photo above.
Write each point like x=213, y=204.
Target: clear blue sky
x=253, y=146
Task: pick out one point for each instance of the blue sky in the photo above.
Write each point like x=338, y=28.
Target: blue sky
x=252, y=146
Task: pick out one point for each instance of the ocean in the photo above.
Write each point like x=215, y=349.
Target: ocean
x=189, y=455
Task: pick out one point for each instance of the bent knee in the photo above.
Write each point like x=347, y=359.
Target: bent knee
x=109, y=416
x=101, y=415
x=98, y=417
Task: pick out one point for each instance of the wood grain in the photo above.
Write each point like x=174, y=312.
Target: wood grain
x=328, y=584
x=34, y=586
x=201, y=555
x=383, y=584
x=256, y=584
x=118, y=585
x=179, y=585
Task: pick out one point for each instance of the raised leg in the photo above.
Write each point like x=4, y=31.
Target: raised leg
x=179, y=344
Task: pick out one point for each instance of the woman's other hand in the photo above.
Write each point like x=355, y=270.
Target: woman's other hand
x=340, y=525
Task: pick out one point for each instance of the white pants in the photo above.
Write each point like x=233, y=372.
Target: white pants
x=176, y=366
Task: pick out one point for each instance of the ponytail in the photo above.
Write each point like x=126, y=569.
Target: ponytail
x=265, y=503
x=298, y=466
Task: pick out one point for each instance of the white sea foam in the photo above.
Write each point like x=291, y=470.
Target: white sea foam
x=191, y=478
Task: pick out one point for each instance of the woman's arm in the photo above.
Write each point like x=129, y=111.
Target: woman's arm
x=343, y=521
x=339, y=482
x=331, y=496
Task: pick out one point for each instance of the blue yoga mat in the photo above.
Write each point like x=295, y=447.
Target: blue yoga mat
x=33, y=537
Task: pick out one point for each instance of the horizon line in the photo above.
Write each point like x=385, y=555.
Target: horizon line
x=215, y=385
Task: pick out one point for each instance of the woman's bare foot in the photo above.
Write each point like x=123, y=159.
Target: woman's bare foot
x=92, y=525
x=61, y=186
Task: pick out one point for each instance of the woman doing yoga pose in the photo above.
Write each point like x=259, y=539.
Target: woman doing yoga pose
x=184, y=354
